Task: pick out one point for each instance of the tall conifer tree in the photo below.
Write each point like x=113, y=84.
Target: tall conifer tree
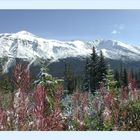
x=86, y=81
x=102, y=69
x=94, y=71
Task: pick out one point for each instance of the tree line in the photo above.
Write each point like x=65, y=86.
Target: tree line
x=98, y=71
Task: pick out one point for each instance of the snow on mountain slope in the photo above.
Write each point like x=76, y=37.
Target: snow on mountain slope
x=117, y=50
x=29, y=46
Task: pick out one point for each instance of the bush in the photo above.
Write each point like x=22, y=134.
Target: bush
x=130, y=116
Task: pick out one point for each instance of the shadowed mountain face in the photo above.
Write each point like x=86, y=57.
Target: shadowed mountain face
x=78, y=65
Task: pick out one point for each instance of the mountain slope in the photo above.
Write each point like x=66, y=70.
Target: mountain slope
x=28, y=46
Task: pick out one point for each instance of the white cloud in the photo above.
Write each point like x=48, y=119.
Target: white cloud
x=118, y=28
x=115, y=32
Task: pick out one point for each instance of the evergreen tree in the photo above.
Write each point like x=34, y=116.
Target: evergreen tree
x=121, y=74
x=111, y=83
x=102, y=69
x=136, y=75
x=132, y=73
x=94, y=71
x=69, y=83
x=86, y=81
x=125, y=78
x=138, y=79
x=117, y=78
x=78, y=83
x=1, y=68
x=6, y=84
x=49, y=83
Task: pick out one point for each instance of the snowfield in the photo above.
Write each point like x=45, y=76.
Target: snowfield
x=28, y=46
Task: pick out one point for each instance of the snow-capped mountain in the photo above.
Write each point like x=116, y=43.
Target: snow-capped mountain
x=28, y=46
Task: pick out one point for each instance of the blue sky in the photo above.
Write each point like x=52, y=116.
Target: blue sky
x=123, y=25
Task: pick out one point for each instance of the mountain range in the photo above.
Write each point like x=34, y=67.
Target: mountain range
x=29, y=47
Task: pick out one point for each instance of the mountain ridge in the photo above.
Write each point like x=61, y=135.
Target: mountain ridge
x=26, y=45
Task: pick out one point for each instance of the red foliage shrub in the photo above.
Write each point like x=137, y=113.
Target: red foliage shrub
x=21, y=77
x=44, y=120
x=28, y=110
